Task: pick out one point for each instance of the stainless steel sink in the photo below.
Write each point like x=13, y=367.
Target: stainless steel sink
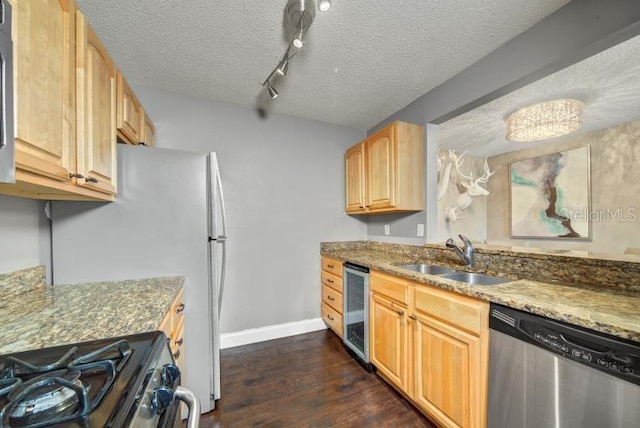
x=475, y=278
x=430, y=269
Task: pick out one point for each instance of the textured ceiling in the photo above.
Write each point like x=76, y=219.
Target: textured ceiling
x=608, y=83
x=363, y=61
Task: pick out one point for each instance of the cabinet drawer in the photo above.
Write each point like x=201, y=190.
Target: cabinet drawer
x=177, y=340
x=332, y=318
x=332, y=266
x=332, y=298
x=331, y=281
x=390, y=286
x=461, y=311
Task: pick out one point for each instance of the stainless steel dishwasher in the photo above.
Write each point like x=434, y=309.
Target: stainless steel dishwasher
x=548, y=374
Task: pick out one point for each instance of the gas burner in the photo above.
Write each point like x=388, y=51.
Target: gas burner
x=45, y=395
x=90, y=384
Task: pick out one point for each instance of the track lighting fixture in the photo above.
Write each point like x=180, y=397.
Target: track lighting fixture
x=272, y=92
x=299, y=15
x=324, y=5
x=297, y=41
x=283, y=67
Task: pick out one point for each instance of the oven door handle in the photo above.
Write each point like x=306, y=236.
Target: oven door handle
x=189, y=398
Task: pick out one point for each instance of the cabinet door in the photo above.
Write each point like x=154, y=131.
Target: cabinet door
x=44, y=85
x=130, y=116
x=447, y=364
x=354, y=178
x=148, y=132
x=96, y=111
x=388, y=340
x=380, y=163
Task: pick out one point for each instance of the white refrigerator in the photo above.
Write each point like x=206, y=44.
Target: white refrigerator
x=168, y=219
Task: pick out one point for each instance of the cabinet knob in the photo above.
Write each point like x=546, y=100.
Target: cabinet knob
x=180, y=308
x=91, y=180
x=401, y=313
x=413, y=317
x=142, y=143
x=177, y=354
x=72, y=175
x=180, y=341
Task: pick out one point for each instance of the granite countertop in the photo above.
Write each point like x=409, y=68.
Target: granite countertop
x=608, y=310
x=55, y=315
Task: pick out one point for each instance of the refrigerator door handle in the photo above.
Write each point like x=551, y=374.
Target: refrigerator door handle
x=222, y=207
x=223, y=269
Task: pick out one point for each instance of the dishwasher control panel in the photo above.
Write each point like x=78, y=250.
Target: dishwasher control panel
x=606, y=353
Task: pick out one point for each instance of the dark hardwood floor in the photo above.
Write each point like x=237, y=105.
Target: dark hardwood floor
x=305, y=381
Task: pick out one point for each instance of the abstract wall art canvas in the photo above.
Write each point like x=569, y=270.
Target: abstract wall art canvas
x=550, y=196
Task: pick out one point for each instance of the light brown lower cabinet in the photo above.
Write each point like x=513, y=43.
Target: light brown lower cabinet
x=173, y=327
x=433, y=348
x=331, y=306
x=389, y=333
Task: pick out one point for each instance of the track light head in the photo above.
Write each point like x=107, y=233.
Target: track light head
x=298, y=42
x=283, y=67
x=324, y=5
x=272, y=92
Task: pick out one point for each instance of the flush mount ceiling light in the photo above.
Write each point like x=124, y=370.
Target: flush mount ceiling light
x=546, y=120
x=299, y=15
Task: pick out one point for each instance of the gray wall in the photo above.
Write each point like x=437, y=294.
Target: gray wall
x=574, y=32
x=24, y=234
x=284, y=188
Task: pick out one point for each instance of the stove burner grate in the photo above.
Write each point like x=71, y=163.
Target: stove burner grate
x=57, y=395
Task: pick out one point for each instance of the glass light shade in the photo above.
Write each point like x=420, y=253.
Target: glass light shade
x=546, y=120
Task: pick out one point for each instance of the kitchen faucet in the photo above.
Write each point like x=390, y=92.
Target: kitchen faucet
x=467, y=254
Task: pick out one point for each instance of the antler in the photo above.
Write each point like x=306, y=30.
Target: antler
x=487, y=173
x=474, y=188
x=458, y=162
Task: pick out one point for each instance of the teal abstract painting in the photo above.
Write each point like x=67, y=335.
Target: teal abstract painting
x=550, y=196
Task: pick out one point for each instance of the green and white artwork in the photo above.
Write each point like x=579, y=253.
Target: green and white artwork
x=550, y=196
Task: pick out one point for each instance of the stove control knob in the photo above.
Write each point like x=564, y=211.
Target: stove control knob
x=170, y=374
x=161, y=399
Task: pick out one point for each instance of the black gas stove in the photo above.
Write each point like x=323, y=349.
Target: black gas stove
x=118, y=382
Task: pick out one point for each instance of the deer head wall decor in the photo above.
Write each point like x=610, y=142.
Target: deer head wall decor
x=467, y=186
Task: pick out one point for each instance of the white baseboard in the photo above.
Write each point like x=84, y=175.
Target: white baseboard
x=255, y=335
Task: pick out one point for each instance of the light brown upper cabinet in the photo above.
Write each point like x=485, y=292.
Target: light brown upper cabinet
x=385, y=172
x=49, y=146
x=354, y=177
x=96, y=111
x=130, y=114
x=148, y=132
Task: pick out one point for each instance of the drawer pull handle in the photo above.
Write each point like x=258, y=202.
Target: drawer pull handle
x=330, y=298
x=413, y=317
x=330, y=266
x=91, y=180
x=330, y=317
x=401, y=313
x=180, y=341
x=180, y=308
x=329, y=280
x=177, y=354
x=72, y=175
